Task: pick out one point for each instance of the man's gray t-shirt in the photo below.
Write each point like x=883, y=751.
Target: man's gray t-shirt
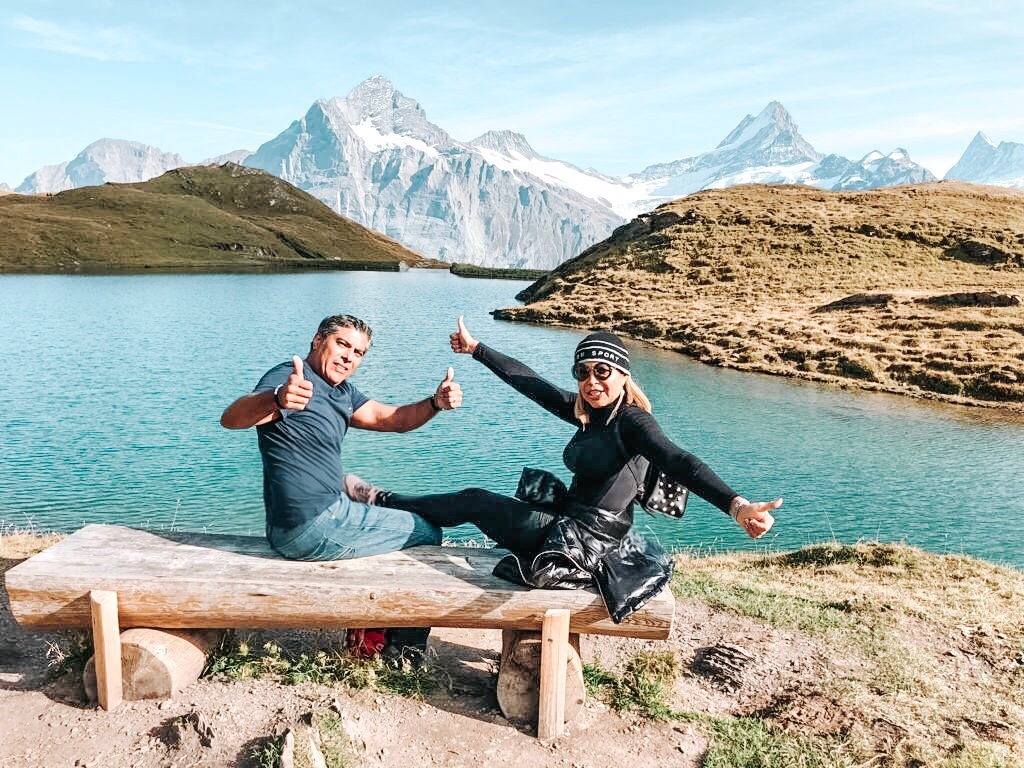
x=302, y=450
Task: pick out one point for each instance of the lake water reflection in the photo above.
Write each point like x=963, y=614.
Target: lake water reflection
x=117, y=384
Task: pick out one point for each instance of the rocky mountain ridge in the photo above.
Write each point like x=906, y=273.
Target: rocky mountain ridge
x=375, y=157
x=984, y=162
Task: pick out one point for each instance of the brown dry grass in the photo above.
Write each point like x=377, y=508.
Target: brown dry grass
x=923, y=653
x=834, y=287
x=16, y=544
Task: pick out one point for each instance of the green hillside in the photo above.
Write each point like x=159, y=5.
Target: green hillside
x=197, y=219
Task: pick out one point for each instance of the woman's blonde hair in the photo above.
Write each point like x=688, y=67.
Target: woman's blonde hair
x=633, y=395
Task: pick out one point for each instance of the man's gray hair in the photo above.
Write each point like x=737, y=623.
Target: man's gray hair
x=332, y=323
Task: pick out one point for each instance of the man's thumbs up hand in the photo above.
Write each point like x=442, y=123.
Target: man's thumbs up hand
x=449, y=392
x=295, y=394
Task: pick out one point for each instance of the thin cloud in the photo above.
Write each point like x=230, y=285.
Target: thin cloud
x=220, y=127
x=102, y=43
x=108, y=44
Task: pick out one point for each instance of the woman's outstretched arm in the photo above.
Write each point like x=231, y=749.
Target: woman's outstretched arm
x=520, y=377
x=642, y=435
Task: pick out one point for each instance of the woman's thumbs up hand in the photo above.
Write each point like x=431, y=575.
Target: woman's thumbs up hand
x=462, y=341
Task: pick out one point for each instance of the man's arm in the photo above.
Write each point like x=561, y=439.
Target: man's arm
x=265, y=406
x=402, y=418
x=251, y=410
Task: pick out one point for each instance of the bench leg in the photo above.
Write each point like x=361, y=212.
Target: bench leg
x=518, y=685
x=554, y=655
x=106, y=641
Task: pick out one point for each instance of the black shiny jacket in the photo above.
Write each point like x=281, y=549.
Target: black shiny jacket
x=592, y=541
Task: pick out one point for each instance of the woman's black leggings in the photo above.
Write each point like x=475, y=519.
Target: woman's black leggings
x=512, y=524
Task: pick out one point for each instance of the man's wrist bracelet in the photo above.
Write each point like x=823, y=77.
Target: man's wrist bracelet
x=433, y=403
x=276, y=401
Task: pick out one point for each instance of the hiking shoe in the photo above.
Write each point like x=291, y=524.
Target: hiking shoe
x=359, y=490
x=406, y=645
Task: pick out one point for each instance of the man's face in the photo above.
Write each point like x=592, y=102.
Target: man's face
x=337, y=355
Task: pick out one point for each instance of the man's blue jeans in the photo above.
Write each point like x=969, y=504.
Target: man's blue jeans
x=349, y=529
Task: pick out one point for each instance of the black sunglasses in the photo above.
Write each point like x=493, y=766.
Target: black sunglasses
x=601, y=371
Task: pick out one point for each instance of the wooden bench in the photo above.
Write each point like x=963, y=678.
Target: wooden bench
x=111, y=577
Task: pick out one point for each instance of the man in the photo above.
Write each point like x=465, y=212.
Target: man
x=301, y=411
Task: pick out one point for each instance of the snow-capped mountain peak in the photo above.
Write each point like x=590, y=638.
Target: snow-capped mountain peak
x=770, y=121
x=508, y=143
x=980, y=140
x=375, y=101
x=878, y=170
x=105, y=160
x=985, y=163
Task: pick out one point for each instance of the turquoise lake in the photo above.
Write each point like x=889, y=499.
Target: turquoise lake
x=115, y=386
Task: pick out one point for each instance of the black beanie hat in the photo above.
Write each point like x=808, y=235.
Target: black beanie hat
x=602, y=347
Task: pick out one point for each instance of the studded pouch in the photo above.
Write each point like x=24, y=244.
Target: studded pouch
x=662, y=494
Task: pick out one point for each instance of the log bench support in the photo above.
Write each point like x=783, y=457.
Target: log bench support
x=554, y=657
x=106, y=641
x=157, y=663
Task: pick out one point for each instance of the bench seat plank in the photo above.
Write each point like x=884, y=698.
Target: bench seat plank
x=203, y=581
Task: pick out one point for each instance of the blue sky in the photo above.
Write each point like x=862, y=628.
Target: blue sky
x=612, y=86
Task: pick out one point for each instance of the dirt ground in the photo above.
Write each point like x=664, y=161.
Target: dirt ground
x=48, y=722
x=924, y=666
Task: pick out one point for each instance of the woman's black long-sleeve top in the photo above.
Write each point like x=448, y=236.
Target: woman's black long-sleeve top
x=598, y=453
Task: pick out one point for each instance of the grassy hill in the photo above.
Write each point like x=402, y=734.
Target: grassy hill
x=198, y=219
x=914, y=289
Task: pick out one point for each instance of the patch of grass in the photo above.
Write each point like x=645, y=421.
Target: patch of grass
x=848, y=271
x=932, y=642
x=196, y=219
x=777, y=608
x=833, y=553
x=237, y=659
x=334, y=740
x=982, y=756
x=17, y=543
x=69, y=654
x=749, y=743
x=642, y=688
x=266, y=753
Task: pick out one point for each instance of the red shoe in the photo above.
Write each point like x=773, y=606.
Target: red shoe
x=365, y=643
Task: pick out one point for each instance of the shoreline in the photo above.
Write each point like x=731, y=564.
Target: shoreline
x=836, y=383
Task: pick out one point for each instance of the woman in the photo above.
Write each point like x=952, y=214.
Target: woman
x=577, y=536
